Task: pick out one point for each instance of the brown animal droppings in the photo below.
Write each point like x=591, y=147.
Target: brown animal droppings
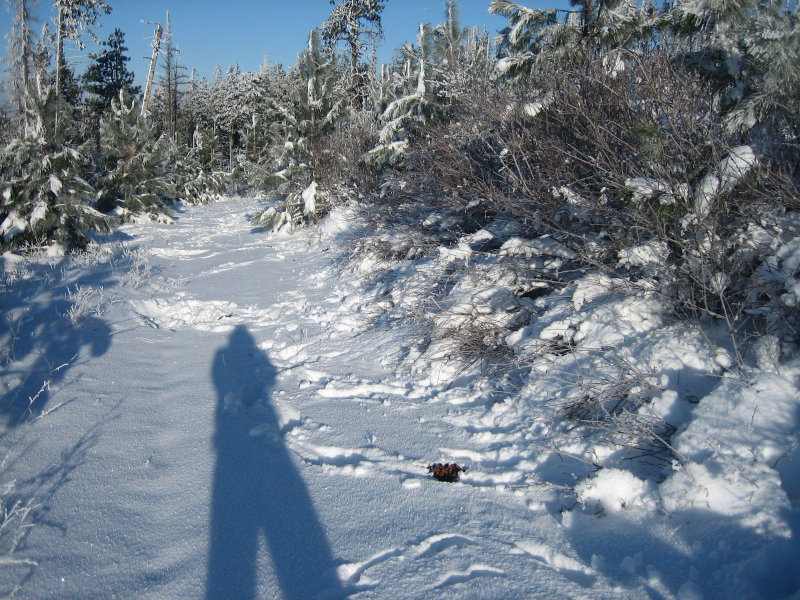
x=446, y=472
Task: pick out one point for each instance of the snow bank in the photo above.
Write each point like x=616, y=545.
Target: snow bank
x=612, y=451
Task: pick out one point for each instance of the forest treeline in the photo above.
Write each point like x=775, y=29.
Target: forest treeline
x=656, y=139
x=584, y=100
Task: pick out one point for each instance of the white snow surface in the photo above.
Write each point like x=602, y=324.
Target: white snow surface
x=225, y=416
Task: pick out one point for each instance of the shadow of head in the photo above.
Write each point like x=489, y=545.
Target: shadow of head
x=242, y=372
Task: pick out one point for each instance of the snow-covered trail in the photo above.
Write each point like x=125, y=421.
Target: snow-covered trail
x=239, y=432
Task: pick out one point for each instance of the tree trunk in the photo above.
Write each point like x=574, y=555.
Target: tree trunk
x=356, y=99
x=152, y=72
x=59, y=60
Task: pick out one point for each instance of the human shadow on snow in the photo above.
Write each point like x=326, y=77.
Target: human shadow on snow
x=257, y=490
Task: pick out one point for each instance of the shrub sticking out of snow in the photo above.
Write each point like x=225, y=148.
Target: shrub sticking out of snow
x=84, y=300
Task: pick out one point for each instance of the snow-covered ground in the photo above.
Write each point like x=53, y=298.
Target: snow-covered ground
x=201, y=410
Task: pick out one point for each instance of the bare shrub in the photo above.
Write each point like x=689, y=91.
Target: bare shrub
x=608, y=395
x=456, y=164
x=610, y=160
x=135, y=265
x=14, y=526
x=340, y=163
x=85, y=300
x=589, y=130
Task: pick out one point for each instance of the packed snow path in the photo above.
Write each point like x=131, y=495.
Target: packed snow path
x=225, y=424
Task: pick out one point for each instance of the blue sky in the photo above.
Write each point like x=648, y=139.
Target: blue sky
x=224, y=32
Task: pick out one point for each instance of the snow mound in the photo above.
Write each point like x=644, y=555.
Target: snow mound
x=203, y=315
x=614, y=490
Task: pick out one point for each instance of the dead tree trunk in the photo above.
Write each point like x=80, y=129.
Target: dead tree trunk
x=152, y=72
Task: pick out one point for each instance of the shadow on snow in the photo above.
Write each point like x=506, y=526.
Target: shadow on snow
x=257, y=490
x=40, y=343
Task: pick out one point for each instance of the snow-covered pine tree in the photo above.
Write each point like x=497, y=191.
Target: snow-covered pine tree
x=322, y=102
x=404, y=116
x=192, y=183
x=449, y=38
x=6, y=126
x=461, y=59
x=133, y=173
x=770, y=75
x=43, y=198
x=537, y=39
x=20, y=58
x=318, y=103
x=192, y=108
x=532, y=34
x=351, y=21
x=256, y=98
x=75, y=17
x=754, y=49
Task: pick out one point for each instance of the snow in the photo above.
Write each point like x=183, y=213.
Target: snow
x=12, y=225
x=613, y=490
x=647, y=187
x=309, y=197
x=543, y=246
x=732, y=169
x=237, y=414
x=39, y=212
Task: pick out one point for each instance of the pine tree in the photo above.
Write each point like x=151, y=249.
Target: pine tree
x=450, y=37
x=752, y=49
x=538, y=39
x=406, y=115
x=311, y=111
x=233, y=115
x=322, y=103
x=74, y=18
x=134, y=169
x=6, y=126
x=461, y=60
x=257, y=94
x=770, y=76
x=43, y=198
x=317, y=104
x=108, y=73
x=20, y=56
x=351, y=21
x=103, y=79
